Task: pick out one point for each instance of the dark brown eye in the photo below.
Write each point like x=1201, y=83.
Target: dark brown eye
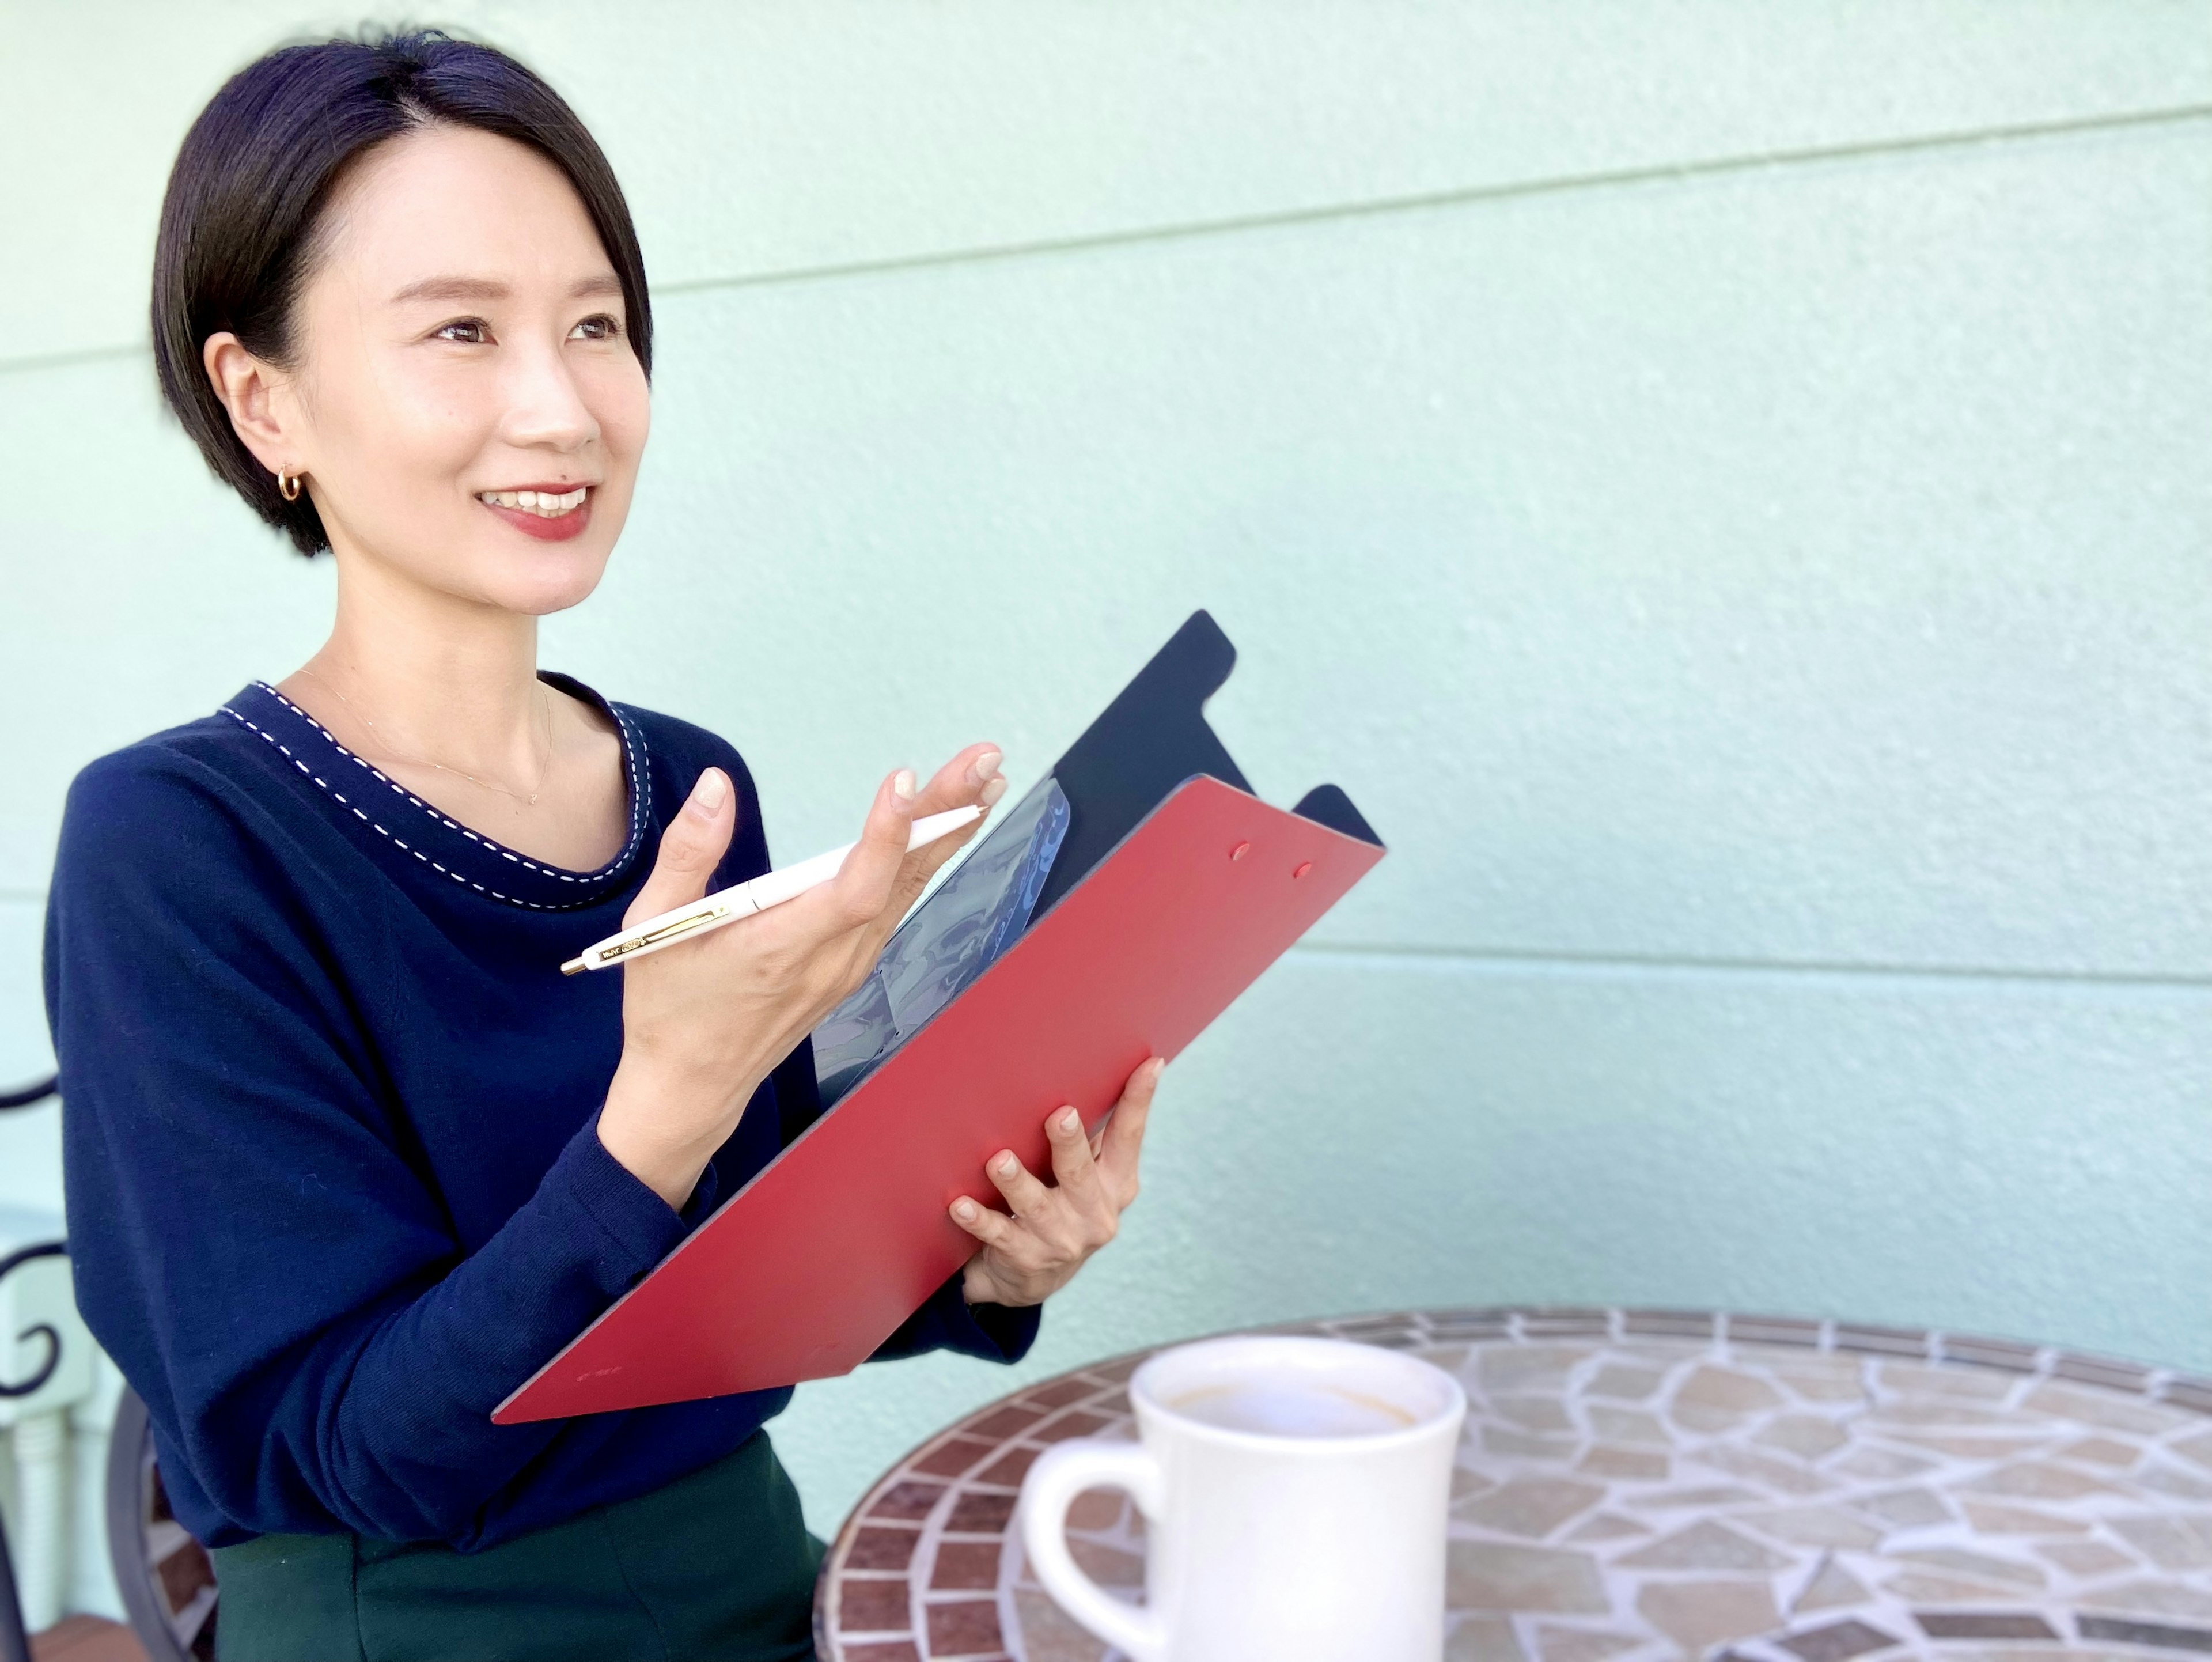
x=469, y=332
x=599, y=326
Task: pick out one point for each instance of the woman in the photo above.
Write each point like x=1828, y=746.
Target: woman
x=347, y=1158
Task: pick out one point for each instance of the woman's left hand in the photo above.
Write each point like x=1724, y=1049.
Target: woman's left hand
x=1028, y=1258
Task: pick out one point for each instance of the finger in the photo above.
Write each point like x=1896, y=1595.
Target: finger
x=690, y=849
x=990, y=1227
x=972, y=777
x=1029, y=1197
x=1125, y=1132
x=1071, y=1165
x=862, y=888
x=969, y=777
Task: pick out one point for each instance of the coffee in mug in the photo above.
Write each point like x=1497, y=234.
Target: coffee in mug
x=1295, y=1493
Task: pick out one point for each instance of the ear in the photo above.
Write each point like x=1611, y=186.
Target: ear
x=259, y=397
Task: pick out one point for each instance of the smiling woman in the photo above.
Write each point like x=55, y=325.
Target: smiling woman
x=252, y=202
x=399, y=305
x=368, y=1160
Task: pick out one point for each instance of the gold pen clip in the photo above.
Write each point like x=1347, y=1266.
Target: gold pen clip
x=603, y=956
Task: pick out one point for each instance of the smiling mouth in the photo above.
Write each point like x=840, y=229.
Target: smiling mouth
x=546, y=504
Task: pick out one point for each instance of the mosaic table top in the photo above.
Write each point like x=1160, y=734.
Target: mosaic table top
x=1635, y=1485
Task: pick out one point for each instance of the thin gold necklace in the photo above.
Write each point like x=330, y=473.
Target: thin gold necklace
x=544, y=761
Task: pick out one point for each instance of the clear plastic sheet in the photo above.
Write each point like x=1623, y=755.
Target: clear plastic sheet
x=959, y=932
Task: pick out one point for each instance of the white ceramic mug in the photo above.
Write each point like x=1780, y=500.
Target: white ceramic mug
x=1294, y=1491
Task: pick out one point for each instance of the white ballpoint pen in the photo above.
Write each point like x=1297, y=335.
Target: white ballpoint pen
x=745, y=899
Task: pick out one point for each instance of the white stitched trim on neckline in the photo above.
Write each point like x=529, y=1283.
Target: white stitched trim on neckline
x=634, y=742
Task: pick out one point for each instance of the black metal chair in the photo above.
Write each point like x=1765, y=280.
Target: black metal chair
x=15, y=1643
x=29, y=1094
x=165, y=1576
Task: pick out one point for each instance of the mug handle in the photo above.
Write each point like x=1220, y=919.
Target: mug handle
x=1064, y=1472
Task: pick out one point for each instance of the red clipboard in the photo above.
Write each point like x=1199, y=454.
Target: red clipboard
x=811, y=1266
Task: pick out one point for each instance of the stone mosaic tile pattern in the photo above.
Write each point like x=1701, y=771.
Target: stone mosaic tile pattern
x=1636, y=1485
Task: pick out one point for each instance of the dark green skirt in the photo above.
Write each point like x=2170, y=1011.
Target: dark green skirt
x=716, y=1566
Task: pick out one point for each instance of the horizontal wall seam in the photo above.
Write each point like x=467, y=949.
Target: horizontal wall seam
x=1431, y=201
x=71, y=360
x=1331, y=213
x=1512, y=958
x=1509, y=960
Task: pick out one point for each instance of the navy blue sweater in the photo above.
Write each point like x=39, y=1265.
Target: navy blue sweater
x=335, y=1184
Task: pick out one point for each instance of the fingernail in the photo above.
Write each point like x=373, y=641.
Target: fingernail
x=965, y=1210
x=1004, y=1166
x=902, y=785
x=1068, y=1122
x=993, y=791
x=710, y=792
x=986, y=764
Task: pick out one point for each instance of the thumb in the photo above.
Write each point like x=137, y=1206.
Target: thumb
x=690, y=849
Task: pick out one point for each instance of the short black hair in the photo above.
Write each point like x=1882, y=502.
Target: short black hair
x=245, y=200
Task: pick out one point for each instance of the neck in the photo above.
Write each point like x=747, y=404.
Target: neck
x=447, y=678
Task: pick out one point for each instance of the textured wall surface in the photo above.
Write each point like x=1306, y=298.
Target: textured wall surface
x=1726, y=488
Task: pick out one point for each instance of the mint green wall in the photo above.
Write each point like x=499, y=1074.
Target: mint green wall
x=1727, y=488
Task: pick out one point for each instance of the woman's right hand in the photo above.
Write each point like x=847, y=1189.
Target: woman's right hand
x=703, y=1023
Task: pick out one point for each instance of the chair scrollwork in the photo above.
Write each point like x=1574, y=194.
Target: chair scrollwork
x=45, y=1371
x=31, y=1095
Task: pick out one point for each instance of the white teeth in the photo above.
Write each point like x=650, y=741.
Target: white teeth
x=544, y=503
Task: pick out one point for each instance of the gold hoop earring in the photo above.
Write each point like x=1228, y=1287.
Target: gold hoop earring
x=288, y=487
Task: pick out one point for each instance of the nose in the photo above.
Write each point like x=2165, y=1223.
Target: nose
x=545, y=408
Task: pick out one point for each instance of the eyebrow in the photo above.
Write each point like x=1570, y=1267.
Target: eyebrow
x=469, y=288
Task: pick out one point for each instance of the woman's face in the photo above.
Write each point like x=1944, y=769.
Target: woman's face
x=460, y=346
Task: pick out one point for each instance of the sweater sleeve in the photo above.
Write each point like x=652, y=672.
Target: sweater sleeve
x=995, y=1332
x=252, y=1241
